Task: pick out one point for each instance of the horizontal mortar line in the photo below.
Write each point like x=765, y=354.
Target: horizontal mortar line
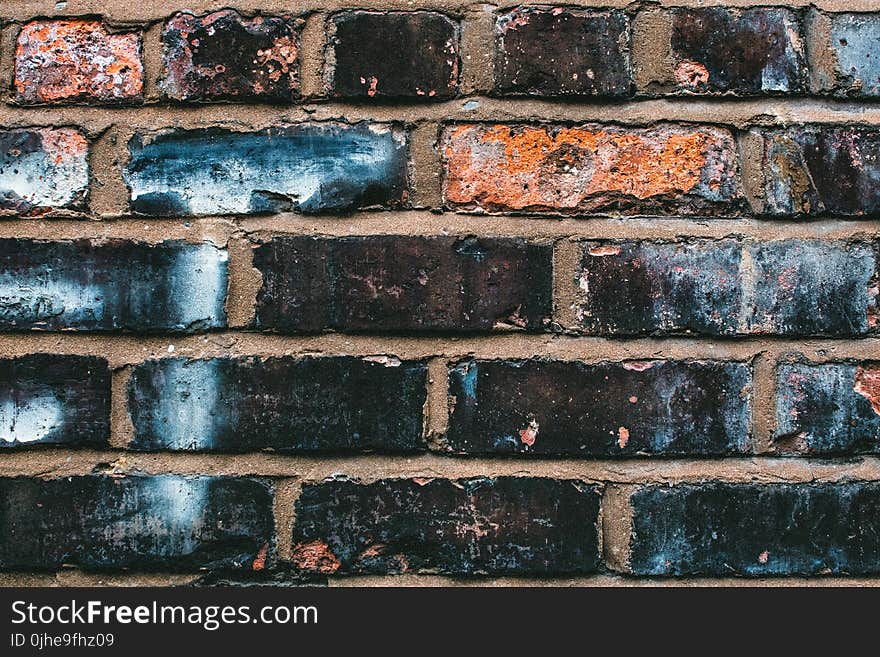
x=61, y=462
x=150, y=11
x=738, y=112
x=600, y=580
x=429, y=223
x=72, y=577
x=121, y=350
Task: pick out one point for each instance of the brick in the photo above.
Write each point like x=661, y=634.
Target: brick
x=309, y=167
x=752, y=529
x=855, y=43
x=605, y=409
x=76, y=60
x=724, y=287
x=42, y=170
x=111, y=285
x=225, y=56
x=832, y=408
x=522, y=525
x=822, y=169
x=401, y=283
x=562, y=52
x=590, y=168
x=284, y=404
x=717, y=50
x=48, y=399
x=394, y=55
x=164, y=522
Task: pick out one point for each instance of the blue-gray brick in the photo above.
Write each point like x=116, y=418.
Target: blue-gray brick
x=855, y=40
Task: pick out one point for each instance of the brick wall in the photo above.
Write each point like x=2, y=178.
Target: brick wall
x=394, y=292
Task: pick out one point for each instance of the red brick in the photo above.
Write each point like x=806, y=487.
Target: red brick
x=76, y=60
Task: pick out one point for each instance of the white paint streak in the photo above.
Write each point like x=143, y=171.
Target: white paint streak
x=198, y=286
x=29, y=420
x=185, y=417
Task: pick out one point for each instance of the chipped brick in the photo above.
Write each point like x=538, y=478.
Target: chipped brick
x=831, y=408
x=562, y=52
x=284, y=404
x=747, y=51
x=76, y=60
x=605, y=409
x=309, y=167
x=855, y=41
x=394, y=55
x=225, y=56
x=590, y=168
x=517, y=525
x=43, y=169
x=822, y=169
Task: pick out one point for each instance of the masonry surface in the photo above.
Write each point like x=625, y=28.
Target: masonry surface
x=439, y=293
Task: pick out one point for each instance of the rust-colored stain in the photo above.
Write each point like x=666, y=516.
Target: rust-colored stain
x=64, y=144
x=691, y=74
x=622, y=437
x=260, y=560
x=867, y=385
x=74, y=59
x=315, y=556
x=566, y=168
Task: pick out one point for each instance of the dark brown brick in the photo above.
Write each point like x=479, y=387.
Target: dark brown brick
x=225, y=56
x=517, y=525
x=163, y=522
x=562, y=52
x=606, y=409
x=400, y=283
x=746, y=51
x=394, y=55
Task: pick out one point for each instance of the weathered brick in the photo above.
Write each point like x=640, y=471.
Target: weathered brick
x=562, y=52
x=822, y=169
x=855, y=42
x=111, y=285
x=224, y=56
x=605, y=409
x=752, y=529
x=402, y=283
x=76, y=60
x=43, y=169
x=724, y=287
x=48, y=398
x=468, y=526
x=749, y=51
x=310, y=167
x=591, y=168
x=165, y=522
x=832, y=408
x=284, y=404
x=394, y=55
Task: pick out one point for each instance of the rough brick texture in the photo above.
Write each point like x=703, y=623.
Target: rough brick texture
x=77, y=60
x=224, y=56
x=396, y=283
x=815, y=170
x=832, y=408
x=745, y=52
x=307, y=167
x=590, y=168
x=607, y=409
x=394, y=55
x=47, y=399
x=42, y=170
x=563, y=52
x=283, y=404
x=725, y=287
x=752, y=529
x=156, y=523
x=463, y=527
x=855, y=41
x=116, y=285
